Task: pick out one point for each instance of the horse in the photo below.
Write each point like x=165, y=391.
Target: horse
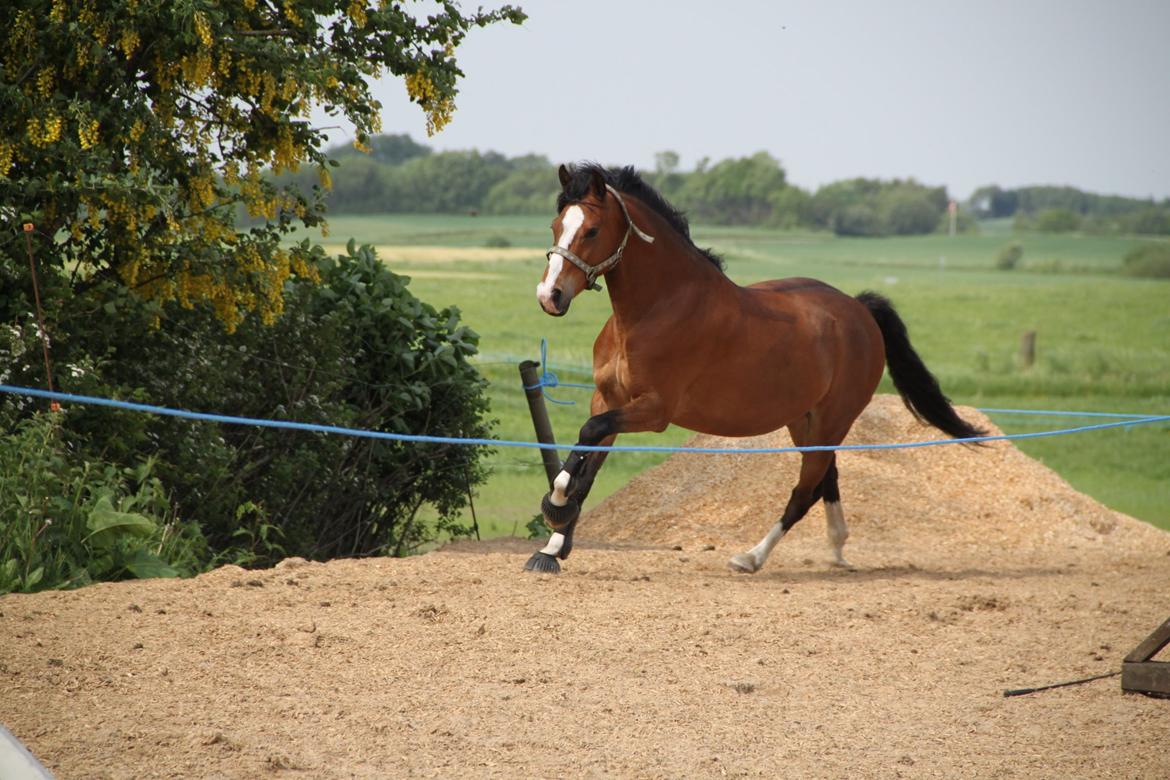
x=686, y=345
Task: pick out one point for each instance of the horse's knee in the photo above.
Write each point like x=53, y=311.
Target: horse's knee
x=599, y=426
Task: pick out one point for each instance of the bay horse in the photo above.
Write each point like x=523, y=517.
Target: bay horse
x=688, y=346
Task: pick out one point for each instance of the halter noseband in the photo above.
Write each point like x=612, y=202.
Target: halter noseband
x=593, y=271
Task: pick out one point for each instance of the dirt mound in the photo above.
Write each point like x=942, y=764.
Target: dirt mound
x=954, y=500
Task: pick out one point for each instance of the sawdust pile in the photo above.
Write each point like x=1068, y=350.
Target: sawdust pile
x=990, y=500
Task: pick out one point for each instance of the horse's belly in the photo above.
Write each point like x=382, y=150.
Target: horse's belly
x=751, y=407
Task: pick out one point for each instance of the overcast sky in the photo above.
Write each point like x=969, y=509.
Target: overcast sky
x=951, y=93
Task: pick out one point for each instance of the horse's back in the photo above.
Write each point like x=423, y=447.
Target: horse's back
x=837, y=343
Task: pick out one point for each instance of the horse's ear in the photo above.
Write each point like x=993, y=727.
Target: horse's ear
x=597, y=184
x=563, y=175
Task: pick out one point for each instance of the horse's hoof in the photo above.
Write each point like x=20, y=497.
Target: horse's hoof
x=743, y=563
x=543, y=563
x=558, y=517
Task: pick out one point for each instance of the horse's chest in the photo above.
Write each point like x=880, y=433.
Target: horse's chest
x=613, y=377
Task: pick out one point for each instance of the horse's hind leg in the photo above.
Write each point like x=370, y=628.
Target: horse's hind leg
x=835, y=526
x=808, y=490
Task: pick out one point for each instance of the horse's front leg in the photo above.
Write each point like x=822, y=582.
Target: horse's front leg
x=561, y=506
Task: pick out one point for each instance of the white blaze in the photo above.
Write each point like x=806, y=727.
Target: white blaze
x=574, y=218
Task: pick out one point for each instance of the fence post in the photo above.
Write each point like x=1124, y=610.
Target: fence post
x=540, y=422
x=1028, y=348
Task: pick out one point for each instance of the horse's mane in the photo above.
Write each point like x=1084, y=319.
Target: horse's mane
x=626, y=180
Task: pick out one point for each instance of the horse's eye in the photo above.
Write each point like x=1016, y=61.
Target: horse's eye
x=591, y=232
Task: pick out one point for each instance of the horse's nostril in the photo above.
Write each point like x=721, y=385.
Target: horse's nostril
x=555, y=296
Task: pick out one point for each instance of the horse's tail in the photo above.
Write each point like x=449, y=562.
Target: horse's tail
x=913, y=380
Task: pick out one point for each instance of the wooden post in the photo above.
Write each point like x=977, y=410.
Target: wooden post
x=1141, y=674
x=540, y=422
x=1028, y=348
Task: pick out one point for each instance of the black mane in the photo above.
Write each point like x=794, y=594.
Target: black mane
x=626, y=180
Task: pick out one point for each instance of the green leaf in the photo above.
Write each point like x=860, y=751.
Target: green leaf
x=107, y=524
x=34, y=577
x=143, y=565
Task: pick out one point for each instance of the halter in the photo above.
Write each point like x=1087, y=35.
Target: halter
x=593, y=271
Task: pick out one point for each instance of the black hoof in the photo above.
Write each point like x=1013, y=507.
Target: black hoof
x=559, y=517
x=543, y=563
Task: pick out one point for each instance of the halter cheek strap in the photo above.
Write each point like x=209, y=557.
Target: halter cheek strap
x=593, y=271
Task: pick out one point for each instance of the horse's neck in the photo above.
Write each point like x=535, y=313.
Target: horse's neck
x=670, y=270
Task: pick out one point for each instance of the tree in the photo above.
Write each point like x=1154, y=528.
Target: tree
x=133, y=129
x=1057, y=221
x=666, y=162
x=734, y=191
x=530, y=189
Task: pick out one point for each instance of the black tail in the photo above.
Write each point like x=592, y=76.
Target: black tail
x=917, y=386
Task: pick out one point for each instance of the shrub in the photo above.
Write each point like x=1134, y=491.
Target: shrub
x=356, y=350
x=1149, y=261
x=1154, y=222
x=907, y=212
x=857, y=220
x=1057, y=221
x=1009, y=256
x=67, y=522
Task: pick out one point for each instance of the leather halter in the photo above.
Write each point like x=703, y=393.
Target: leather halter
x=593, y=271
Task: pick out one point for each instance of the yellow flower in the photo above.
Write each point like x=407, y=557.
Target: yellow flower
x=129, y=41
x=87, y=133
x=357, y=12
x=438, y=108
x=45, y=81
x=203, y=28
x=7, y=151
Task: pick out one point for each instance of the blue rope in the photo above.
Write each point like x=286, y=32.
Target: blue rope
x=549, y=379
x=315, y=428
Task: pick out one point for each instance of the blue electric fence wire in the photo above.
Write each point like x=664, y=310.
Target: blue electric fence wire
x=330, y=429
x=549, y=379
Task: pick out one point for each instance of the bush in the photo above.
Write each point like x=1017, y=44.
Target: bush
x=1057, y=221
x=1150, y=261
x=67, y=522
x=1009, y=256
x=906, y=212
x=356, y=350
x=1153, y=222
x=857, y=220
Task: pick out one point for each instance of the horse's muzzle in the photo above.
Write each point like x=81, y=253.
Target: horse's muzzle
x=556, y=304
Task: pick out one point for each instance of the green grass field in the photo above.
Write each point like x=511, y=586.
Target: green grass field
x=1101, y=343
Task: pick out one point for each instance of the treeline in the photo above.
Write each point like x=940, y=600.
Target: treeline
x=1066, y=209
x=399, y=175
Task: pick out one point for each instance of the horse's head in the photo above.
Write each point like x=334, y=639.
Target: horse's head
x=589, y=236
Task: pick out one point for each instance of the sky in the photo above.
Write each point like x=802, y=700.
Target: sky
x=952, y=93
